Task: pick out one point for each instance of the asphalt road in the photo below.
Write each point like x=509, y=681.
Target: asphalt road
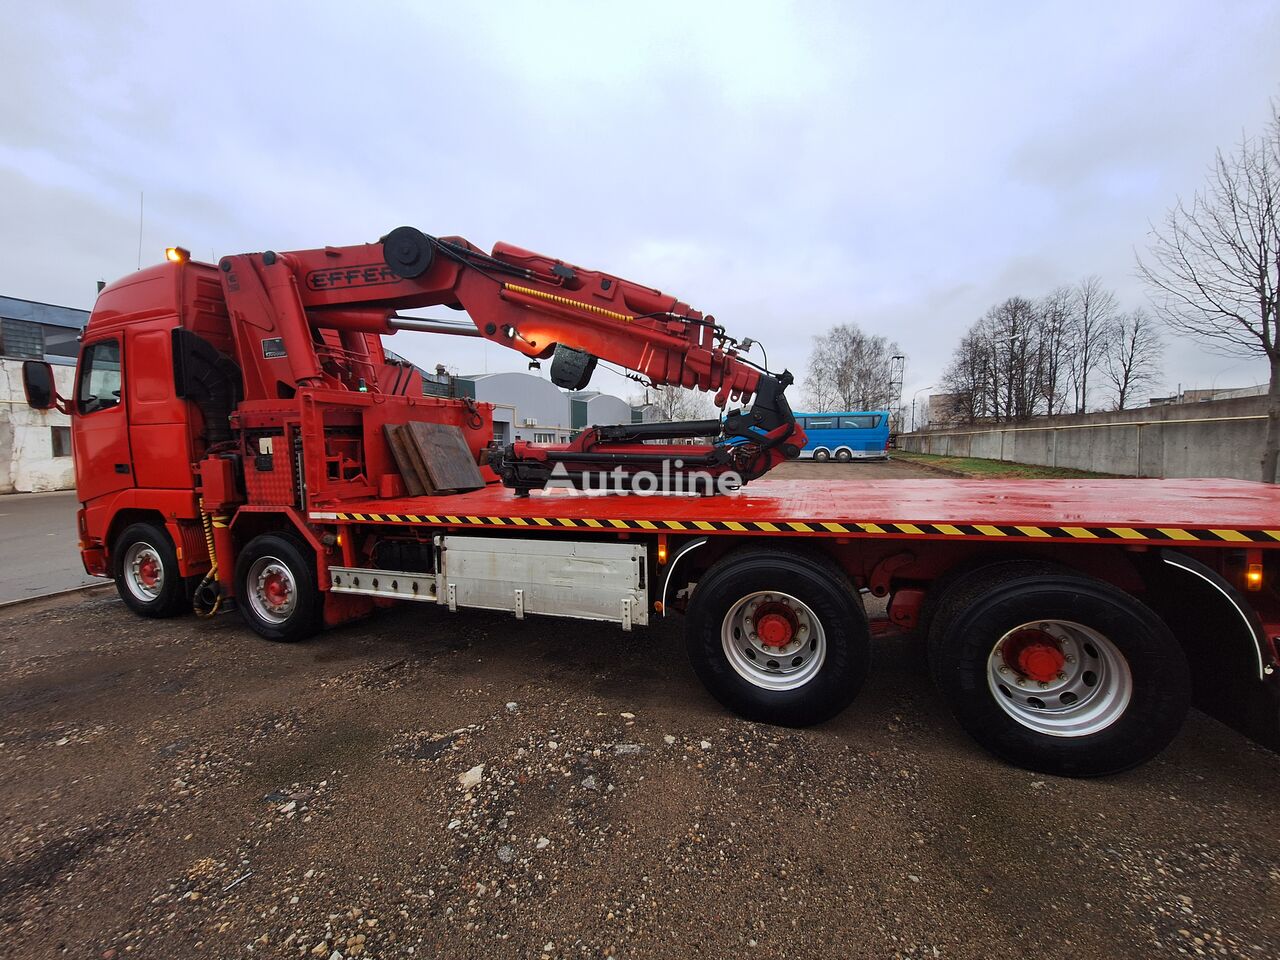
x=39, y=553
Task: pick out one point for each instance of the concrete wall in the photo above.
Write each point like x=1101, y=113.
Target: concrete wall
x=27, y=463
x=1220, y=438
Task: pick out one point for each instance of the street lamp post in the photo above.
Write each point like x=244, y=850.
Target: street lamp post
x=913, y=405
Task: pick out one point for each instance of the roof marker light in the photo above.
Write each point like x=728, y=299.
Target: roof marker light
x=177, y=254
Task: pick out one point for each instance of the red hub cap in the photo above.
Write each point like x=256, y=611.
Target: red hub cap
x=1035, y=655
x=775, y=624
x=149, y=571
x=276, y=590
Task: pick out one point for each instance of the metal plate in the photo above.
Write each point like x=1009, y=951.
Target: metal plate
x=588, y=580
x=394, y=584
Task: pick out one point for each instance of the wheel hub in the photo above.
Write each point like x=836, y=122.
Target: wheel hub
x=775, y=624
x=1034, y=654
x=275, y=589
x=149, y=571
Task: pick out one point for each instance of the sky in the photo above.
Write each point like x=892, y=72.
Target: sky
x=783, y=166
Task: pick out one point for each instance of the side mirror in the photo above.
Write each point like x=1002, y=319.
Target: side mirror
x=37, y=380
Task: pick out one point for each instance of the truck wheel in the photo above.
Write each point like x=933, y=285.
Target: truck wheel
x=779, y=636
x=146, y=572
x=822, y=456
x=276, y=589
x=1063, y=674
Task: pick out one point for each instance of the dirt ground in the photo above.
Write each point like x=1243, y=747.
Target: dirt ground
x=469, y=785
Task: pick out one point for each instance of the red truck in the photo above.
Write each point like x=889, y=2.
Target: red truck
x=230, y=429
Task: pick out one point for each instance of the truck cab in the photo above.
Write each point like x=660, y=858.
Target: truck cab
x=134, y=438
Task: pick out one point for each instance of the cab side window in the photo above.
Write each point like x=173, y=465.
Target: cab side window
x=98, y=387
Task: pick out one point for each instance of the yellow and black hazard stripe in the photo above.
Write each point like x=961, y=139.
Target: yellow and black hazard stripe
x=983, y=531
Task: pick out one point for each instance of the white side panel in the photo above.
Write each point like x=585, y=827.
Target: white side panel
x=583, y=579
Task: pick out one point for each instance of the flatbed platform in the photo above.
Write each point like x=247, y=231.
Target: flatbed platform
x=1187, y=512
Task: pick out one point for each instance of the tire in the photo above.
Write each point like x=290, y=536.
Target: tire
x=822, y=456
x=276, y=590
x=797, y=682
x=1127, y=677
x=843, y=456
x=145, y=568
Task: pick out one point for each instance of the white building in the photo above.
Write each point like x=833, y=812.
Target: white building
x=35, y=446
x=526, y=407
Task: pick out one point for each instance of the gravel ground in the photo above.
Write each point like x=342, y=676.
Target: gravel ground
x=427, y=784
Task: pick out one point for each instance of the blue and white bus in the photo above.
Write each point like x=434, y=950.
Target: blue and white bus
x=853, y=435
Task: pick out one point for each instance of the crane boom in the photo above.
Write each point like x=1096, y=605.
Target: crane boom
x=315, y=318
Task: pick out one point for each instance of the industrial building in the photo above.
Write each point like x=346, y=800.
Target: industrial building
x=527, y=407
x=35, y=446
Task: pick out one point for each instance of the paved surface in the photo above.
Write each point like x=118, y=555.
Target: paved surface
x=40, y=553
x=426, y=784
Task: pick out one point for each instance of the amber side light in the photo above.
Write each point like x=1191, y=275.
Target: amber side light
x=1253, y=576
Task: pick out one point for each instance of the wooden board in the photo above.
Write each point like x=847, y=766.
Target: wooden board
x=448, y=460
x=404, y=460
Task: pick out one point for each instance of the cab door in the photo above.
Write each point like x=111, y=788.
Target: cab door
x=100, y=428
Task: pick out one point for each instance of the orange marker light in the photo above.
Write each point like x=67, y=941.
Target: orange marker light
x=662, y=550
x=177, y=254
x=1253, y=577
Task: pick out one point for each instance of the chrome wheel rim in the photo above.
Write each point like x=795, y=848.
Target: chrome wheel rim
x=143, y=571
x=1059, y=678
x=773, y=640
x=272, y=590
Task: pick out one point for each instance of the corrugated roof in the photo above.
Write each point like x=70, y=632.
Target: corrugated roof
x=15, y=308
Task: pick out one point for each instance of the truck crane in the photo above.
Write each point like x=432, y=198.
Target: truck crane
x=230, y=432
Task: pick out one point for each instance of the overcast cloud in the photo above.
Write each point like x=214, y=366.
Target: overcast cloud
x=783, y=166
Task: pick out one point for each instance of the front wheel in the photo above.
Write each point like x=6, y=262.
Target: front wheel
x=276, y=590
x=778, y=636
x=146, y=571
x=1063, y=674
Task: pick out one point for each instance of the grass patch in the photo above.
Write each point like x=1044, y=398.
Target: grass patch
x=994, y=469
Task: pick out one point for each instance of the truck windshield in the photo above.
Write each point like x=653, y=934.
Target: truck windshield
x=99, y=385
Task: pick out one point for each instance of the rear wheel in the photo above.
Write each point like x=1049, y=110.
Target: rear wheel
x=146, y=571
x=276, y=590
x=843, y=456
x=778, y=636
x=1063, y=674
x=822, y=456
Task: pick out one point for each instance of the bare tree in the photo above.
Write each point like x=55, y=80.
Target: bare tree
x=965, y=379
x=1214, y=265
x=997, y=372
x=1053, y=322
x=677, y=403
x=850, y=370
x=1093, y=308
x=1131, y=360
